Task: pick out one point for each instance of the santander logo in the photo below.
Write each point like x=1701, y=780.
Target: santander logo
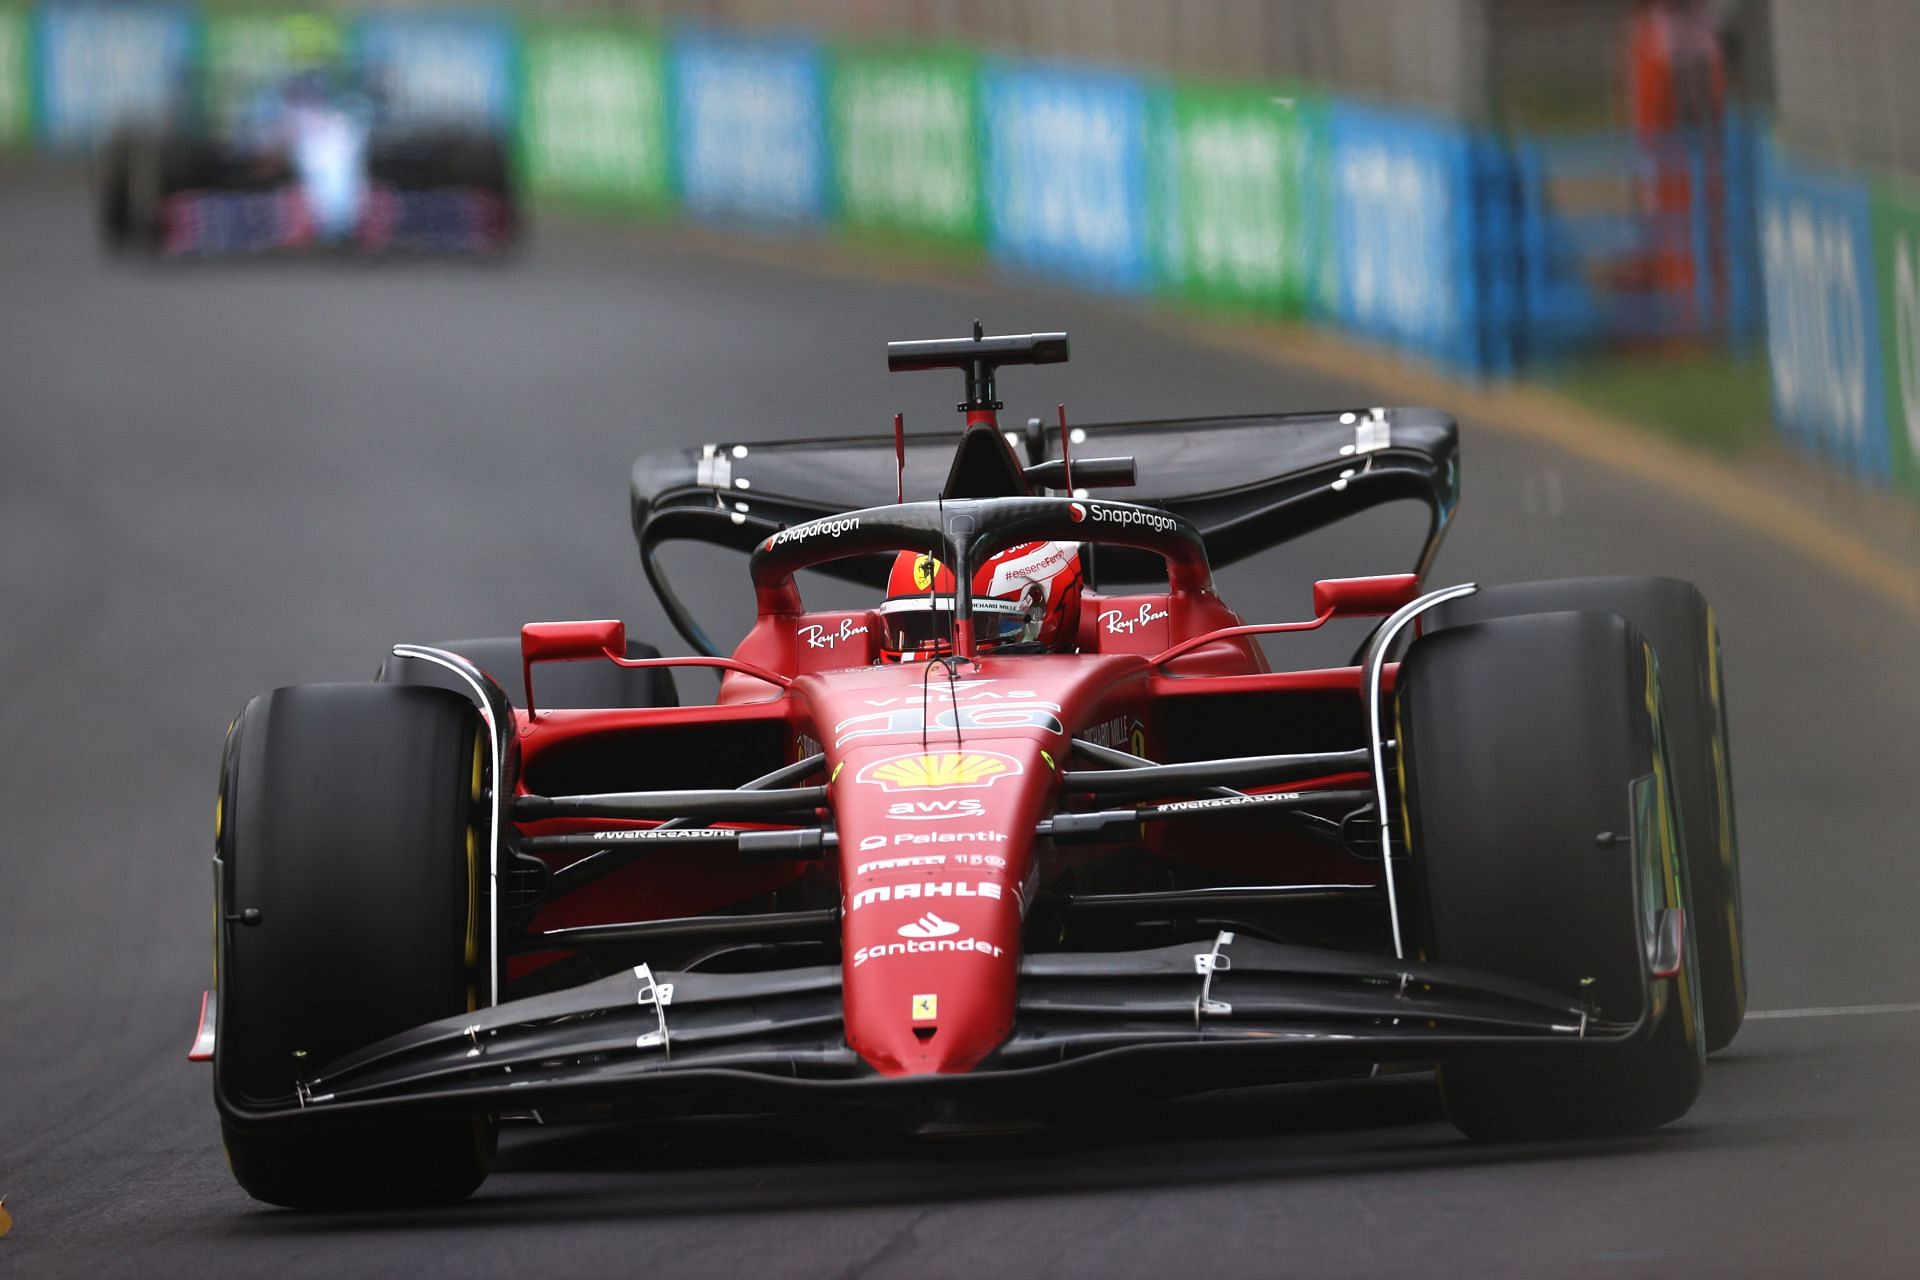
x=929, y=926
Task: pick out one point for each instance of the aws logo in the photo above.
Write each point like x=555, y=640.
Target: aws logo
x=935, y=810
x=935, y=771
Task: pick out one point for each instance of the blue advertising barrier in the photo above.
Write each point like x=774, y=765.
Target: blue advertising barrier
x=441, y=67
x=1630, y=238
x=1066, y=172
x=1421, y=236
x=1823, y=336
x=101, y=65
x=749, y=126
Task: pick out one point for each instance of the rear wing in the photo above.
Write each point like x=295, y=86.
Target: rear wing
x=1246, y=483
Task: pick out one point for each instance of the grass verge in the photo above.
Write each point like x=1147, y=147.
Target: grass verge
x=1712, y=400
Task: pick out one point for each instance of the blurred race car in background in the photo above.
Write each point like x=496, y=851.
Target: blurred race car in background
x=309, y=160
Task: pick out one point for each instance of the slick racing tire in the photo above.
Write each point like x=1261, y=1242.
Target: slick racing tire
x=559, y=684
x=1676, y=618
x=1522, y=740
x=351, y=818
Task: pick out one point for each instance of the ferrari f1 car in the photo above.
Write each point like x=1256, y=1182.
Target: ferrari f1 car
x=966, y=856
x=313, y=161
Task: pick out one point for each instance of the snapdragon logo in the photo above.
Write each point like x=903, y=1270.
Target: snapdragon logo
x=1153, y=520
x=801, y=532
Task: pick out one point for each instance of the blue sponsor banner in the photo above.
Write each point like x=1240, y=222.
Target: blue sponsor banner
x=750, y=127
x=104, y=65
x=1405, y=226
x=440, y=68
x=1066, y=166
x=1628, y=237
x=1823, y=333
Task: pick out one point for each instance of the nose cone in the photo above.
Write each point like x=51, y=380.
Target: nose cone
x=934, y=849
x=935, y=991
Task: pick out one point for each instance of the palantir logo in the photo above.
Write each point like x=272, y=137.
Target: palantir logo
x=929, y=926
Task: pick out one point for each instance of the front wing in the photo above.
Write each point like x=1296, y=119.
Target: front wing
x=1188, y=1017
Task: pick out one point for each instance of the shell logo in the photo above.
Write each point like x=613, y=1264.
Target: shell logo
x=937, y=771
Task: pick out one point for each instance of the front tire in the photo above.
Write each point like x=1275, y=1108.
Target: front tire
x=352, y=820
x=1679, y=623
x=1522, y=741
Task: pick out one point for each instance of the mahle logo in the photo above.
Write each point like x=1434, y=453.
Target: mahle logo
x=940, y=770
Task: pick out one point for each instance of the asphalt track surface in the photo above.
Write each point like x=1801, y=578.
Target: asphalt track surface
x=216, y=480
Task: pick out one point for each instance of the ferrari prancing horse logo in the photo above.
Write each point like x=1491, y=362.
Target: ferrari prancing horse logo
x=923, y=570
x=926, y=1008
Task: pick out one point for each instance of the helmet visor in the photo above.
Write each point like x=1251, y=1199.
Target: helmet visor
x=926, y=623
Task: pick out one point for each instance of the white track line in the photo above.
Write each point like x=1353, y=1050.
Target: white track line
x=1833, y=1011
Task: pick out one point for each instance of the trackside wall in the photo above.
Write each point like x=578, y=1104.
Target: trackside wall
x=1483, y=251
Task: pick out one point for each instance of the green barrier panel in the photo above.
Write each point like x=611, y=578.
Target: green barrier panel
x=16, y=85
x=247, y=53
x=1896, y=270
x=593, y=116
x=903, y=127
x=1238, y=181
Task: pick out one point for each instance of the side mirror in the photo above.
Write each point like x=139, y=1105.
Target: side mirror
x=568, y=642
x=1088, y=473
x=1364, y=597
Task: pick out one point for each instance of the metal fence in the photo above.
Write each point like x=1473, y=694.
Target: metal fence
x=1847, y=93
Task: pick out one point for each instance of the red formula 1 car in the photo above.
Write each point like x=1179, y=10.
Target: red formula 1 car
x=1044, y=827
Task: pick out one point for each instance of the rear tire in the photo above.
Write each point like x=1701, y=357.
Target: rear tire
x=1521, y=739
x=1676, y=618
x=352, y=820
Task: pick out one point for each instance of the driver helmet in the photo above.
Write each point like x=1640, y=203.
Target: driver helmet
x=1027, y=595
